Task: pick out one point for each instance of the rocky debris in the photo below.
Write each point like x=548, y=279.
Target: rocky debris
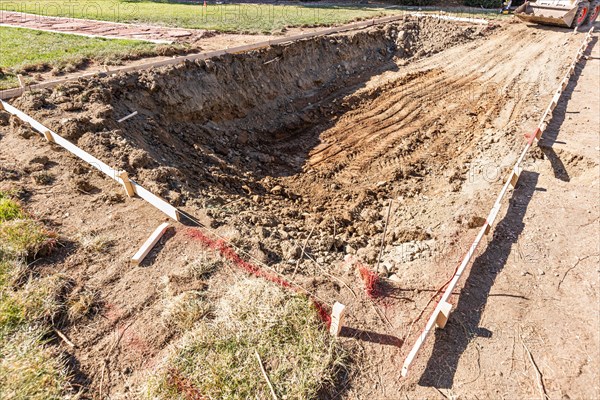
x=21, y=128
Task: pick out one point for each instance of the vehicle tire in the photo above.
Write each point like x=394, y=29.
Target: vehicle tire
x=593, y=11
x=581, y=15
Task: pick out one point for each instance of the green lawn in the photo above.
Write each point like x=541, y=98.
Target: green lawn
x=24, y=50
x=250, y=18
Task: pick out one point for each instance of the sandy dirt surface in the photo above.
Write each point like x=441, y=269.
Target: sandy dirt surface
x=293, y=153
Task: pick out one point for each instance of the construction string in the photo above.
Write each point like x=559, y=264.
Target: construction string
x=228, y=253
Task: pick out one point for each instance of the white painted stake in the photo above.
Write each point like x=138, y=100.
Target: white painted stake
x=337, y=318
x=150, y=243
x=133, y=114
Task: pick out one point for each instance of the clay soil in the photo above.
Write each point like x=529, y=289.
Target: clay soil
x=294, y=154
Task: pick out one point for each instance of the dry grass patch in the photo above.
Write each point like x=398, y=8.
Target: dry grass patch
x=29, y=369
x=43, y=299
x=25, y=238
x=95, y=242
x=183, y=311
x=217, y=358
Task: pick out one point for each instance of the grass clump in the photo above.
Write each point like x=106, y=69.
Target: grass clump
x=217, y=358
x=28, y=368
x=203, y=267
x=9, y=209
x=81, y=304
x=183, y=311
x=23, y=238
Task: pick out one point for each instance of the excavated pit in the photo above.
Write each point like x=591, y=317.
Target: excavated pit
x=272, y=143
x=235, y=124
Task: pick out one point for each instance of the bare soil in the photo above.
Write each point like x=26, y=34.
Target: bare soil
x=294, y=153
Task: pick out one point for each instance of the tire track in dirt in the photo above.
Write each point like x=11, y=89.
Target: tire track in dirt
x=456, y=91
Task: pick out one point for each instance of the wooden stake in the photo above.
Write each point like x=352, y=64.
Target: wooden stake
x=150, y=243
x=488, y=227
x=264, y=373
x=21, y=80
x=443, y=315
x=48, y=136
x=515, y=176
x=337, y=318
x=127, y=183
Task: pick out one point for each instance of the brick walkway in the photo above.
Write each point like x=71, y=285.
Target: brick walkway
x=103, y=29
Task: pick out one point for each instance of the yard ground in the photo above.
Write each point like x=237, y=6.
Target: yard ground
x=290, y=157
x=232, y=18
x=25, y=51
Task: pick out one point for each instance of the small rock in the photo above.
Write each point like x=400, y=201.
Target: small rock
x=277, y=190
x=242, y=138
x=476, y=222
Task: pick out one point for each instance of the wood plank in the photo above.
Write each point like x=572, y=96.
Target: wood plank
x=337, y=318
x=156, y=201
x=150, y=243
